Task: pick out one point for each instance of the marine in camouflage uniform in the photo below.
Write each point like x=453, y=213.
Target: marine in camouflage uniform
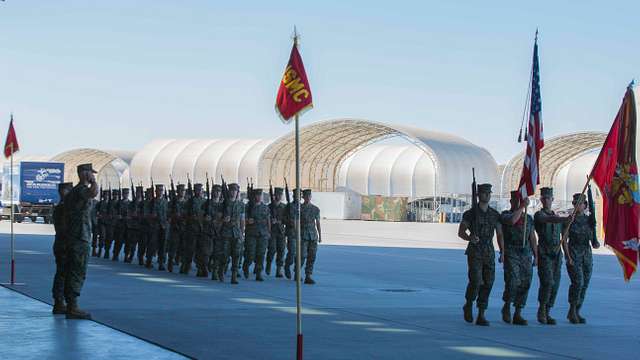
x=291, y=215
x=176, y=214
x=548, y=227
x=518, y=265
x=213, y=227
x=95, y=230
x=103, y=220
x=158, y=227
x=146, y=214
x=77, y=242
x=233, y=224
x=60, y=226
x=134, y=231
x=121, y=224
x=257, y=234
x=579, y=258
x=194, y=213
x=204, y=241
x=278, y=240
x=310, y=234
x=480, y=253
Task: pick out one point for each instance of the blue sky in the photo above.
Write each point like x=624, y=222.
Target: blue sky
x=117, y=74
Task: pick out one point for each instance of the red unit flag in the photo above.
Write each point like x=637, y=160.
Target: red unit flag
x=294, y=93
x=616, y=173
x=11, y=144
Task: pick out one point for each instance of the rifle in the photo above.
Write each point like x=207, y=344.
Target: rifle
x=286, y=191
x=225, y=197
x=208, y=189
x=133, y=190
x=474, y=205
x=592, y=213
x=250, y=200
x=189, y=188
x=175, y=195
x=272, y=202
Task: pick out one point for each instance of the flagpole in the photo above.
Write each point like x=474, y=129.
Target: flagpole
x=298, y=245
x=524, y=229
x=13, y=260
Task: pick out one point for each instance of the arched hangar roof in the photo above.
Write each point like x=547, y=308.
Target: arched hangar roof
x=109, y=165
x=235, y=159
x=556, y=154
x=326, y=145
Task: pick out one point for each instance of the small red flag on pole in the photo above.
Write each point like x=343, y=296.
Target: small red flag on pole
x=294, y=93
x=11, y=144
x=616, y=173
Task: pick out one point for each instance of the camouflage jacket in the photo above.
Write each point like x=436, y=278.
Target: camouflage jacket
x=489, y=221
x=213, y=217
x=514, y=240
x=261, y=216
x=309, y=214
x=581, y=236
x=280, y=217
x=78, y=214
x=291, y=214
x=549, y=234
x=194, y=211
x=233, y=228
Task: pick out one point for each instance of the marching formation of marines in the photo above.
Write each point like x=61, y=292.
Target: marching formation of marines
x=520, y=250
x=209, y=227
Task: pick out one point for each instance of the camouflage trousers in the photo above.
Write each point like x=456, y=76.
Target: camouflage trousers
x=277, y=244
x=143, y=243
x=204, y=248
x=549, y=266
x=255, y=247
x=133, y=235
x=580, y=275
x=108, y=234
x=229, y=246
x=173, y=242
x=481, y=273
x=518, y=271
x=291, y=250
x=157, y=243
x=102, y=234
x=75, y=268
x=119, y=237
x=190, y=239
x=308, y=252
x=57, y=289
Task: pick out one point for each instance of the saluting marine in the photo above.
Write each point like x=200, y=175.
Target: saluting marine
x=480, y=253
x=519, y=246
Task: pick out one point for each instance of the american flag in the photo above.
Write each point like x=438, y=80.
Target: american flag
x=535, y=138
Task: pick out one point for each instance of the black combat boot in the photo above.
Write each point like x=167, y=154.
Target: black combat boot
x=480, y=320
x=279, y=272
x=572, y=316
x=106, y=254
x=581, y=320
x=542, y=314
x=467, y=310
x=550, y=320
x=287, y=272
x=161, y=267
x=506, y=313
x=140, y=261
x=234, y=276
x=267, y=270
x=308, y=280
x=74, y=312
x=170, y=265
x=221, y=273
x=259, y=276
x=518, y=319
x=148, y=264
x=59, y=308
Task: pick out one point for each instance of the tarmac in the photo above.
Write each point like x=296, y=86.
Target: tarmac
x=385, y=291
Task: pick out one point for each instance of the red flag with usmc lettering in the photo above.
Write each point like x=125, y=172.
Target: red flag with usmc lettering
x=294, y=94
